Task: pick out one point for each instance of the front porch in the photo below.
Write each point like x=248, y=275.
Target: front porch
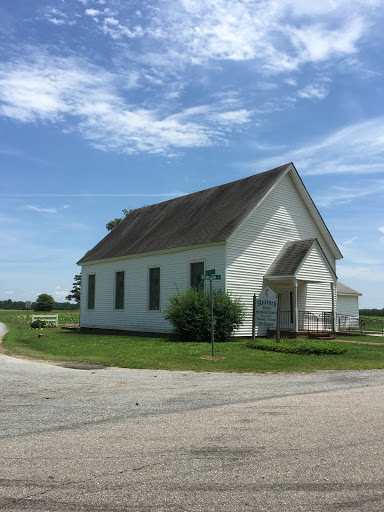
x=305, y=283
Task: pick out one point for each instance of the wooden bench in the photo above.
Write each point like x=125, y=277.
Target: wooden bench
x=47, y=318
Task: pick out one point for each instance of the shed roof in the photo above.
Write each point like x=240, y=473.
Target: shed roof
x=203, y=217
x=343, y=289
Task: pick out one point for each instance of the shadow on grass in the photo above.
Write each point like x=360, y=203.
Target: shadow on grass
x=166, y=338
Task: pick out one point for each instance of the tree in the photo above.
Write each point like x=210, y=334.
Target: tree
x=44, y=302
x=113, y=223
x=74, y=294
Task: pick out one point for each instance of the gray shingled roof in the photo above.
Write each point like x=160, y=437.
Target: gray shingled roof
x=207, y=216
x=289, y=259
x=343, y=289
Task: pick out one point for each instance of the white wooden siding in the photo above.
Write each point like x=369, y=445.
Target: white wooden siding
x=348, y=305
x=314, y=268
x=281, y=217
x=136, y=316
x=318, y=298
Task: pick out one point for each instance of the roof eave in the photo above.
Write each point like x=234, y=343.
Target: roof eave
x=152, y=253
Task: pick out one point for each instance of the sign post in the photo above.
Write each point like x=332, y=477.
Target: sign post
x=211, y=276
x=28, y=306
x=266, y=309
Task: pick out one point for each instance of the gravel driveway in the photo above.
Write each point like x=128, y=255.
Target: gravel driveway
x=144, y=440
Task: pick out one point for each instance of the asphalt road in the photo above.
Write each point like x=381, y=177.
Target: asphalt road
x=142, y=440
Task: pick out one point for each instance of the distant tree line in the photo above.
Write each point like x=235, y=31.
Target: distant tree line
x=371, y=312
x=18, y=304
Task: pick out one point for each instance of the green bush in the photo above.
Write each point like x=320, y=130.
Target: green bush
x=190, y=314
x=301, y=347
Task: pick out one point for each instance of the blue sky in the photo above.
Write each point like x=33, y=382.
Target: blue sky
x=110, y=104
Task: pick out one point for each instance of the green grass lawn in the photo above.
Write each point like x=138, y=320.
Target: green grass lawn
x=362, y=338
x=167, y=354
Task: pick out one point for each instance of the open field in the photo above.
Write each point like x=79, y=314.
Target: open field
x=167, y=354
x=15, y=317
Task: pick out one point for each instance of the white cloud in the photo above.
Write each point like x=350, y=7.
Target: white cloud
x=316, y=43
x=56, y=21
x=271, y=33
x=350, y=241
x=59, y=293
x=52, y=89
x=370, y=273
x=278, y=35
x=241, y=116
x=92, y=12
x=35, y=208
x=354, y=149
x=138, y=194
x=344, y=195
x=315, y=91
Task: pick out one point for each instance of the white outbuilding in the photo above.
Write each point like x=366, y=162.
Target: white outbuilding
x=347, y=306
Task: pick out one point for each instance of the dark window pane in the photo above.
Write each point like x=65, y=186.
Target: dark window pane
x=91, y=291
x=154, y=288
x=119, y=290
x=196, y=270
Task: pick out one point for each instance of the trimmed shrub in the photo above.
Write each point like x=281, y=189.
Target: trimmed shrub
x=190, y=314
x=302, y=347
x=38, y=324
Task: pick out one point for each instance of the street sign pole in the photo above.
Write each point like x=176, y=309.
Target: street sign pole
x=212, y=330
x=28, y=306
x=278, y=319
x=253, y=316
x=210, y=275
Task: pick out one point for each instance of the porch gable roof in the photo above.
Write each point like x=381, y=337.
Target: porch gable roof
x=292, y=256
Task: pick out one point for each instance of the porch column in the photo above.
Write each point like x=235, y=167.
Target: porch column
x=295, y=310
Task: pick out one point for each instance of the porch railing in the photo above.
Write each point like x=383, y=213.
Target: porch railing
x=349, y=323
x=307, y=321
x=312, y=322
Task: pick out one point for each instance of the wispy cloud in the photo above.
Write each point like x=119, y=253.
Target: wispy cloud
x=315, y=91
x=59, y=293
x=139, y=194
x=280, y=36
x=276, y=39
x=354, y=149
x=370, y=273
x=38, y=209
x=344, y=195
x=53, y=89
x=271, y=33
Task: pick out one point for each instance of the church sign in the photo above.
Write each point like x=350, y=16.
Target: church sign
x=266, y=309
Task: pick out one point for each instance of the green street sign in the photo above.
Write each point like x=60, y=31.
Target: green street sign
x=216, y=276
x=213, y=277
x=210, y=272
